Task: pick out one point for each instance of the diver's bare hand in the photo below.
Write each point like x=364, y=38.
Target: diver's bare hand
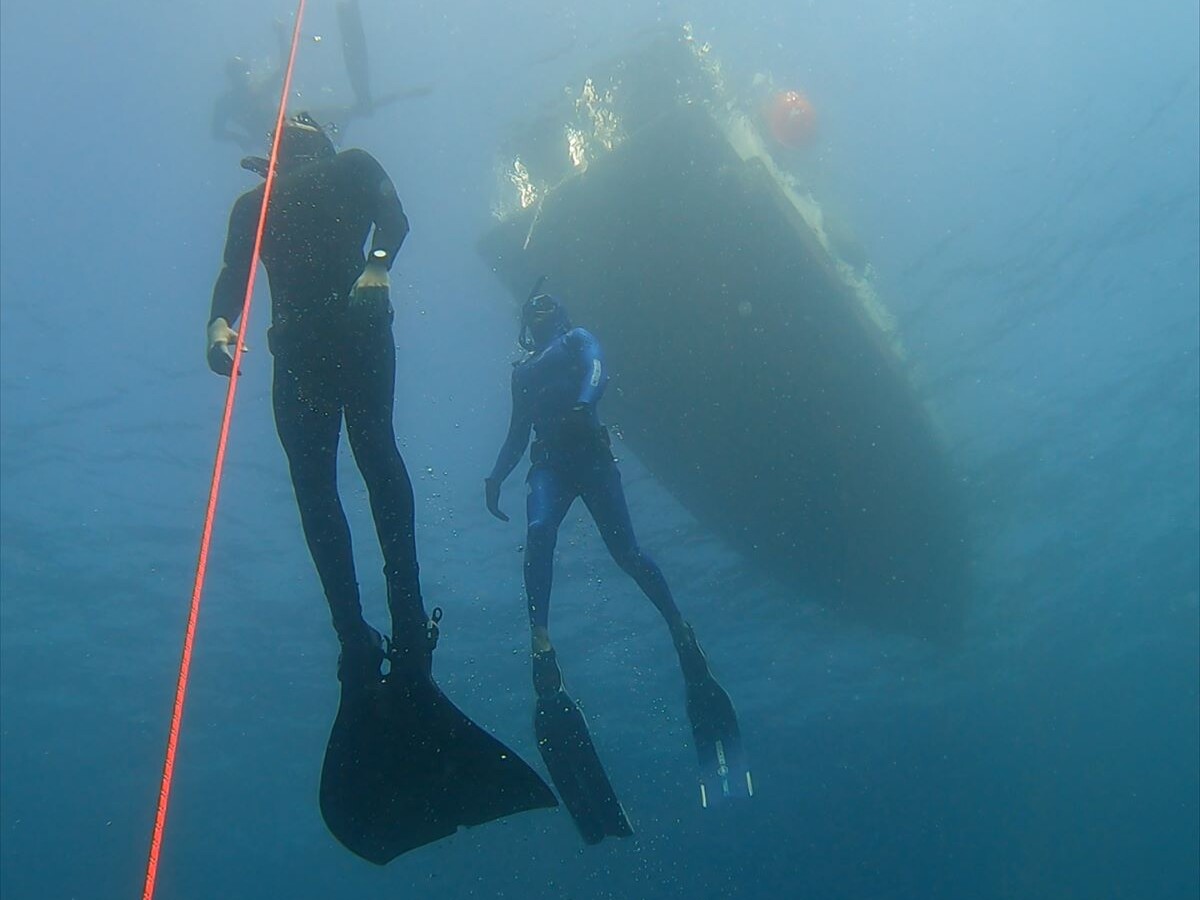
x=370, y=291
x=491, y=494
x=221, y=343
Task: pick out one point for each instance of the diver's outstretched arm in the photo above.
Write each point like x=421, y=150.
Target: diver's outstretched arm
x=519, y=427
x=229, y=291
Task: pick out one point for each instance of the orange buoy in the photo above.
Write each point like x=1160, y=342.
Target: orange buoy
x=791, y=119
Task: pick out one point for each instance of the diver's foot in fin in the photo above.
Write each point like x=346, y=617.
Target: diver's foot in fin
x=567, y=749
x=723, y=770
x=360, y=662
x=405, y=767
x=410, y=652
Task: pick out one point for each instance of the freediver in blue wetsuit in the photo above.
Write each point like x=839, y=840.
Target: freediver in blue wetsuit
x=555, y=393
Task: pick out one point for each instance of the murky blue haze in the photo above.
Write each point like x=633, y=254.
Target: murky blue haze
x=1024, y=179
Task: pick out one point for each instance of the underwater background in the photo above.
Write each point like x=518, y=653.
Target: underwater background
x=1024, y=181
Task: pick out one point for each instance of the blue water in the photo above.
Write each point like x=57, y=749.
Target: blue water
x=1025, y=181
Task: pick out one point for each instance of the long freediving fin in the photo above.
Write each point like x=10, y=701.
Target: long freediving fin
x=715, y=732
x=354, y=52
x=405, y=767
x=575, y=768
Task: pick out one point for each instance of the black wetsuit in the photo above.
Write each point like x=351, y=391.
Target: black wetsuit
x=332, y=361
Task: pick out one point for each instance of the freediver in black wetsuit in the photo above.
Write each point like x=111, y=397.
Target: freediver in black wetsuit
x=244, y=113
x=334, y=356
x=404, y=766
x=555, y=392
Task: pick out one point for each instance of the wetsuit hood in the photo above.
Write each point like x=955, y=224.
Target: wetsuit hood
x=304, y=140
x=543, y=318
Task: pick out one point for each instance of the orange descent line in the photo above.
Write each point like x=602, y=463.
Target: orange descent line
x=185, y=664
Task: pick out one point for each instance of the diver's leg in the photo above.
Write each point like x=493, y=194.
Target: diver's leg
x=371, y=383
x=714, y=723
x=562, y=734
x=308, y=420
x=605, y=499
x=283, y=41
x=550, y=496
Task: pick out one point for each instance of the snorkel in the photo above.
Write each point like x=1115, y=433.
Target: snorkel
x=542, y=319
x=303, y=141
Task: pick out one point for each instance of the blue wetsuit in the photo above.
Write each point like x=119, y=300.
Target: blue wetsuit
x=555, y=393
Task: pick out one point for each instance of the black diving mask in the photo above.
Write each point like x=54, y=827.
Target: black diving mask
x=304, y=140
x=542, y=317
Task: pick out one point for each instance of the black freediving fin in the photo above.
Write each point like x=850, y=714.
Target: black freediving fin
x=415, y=92
x=354, y=51
x=566, y=747
x=723, y=770
x=405, y=767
